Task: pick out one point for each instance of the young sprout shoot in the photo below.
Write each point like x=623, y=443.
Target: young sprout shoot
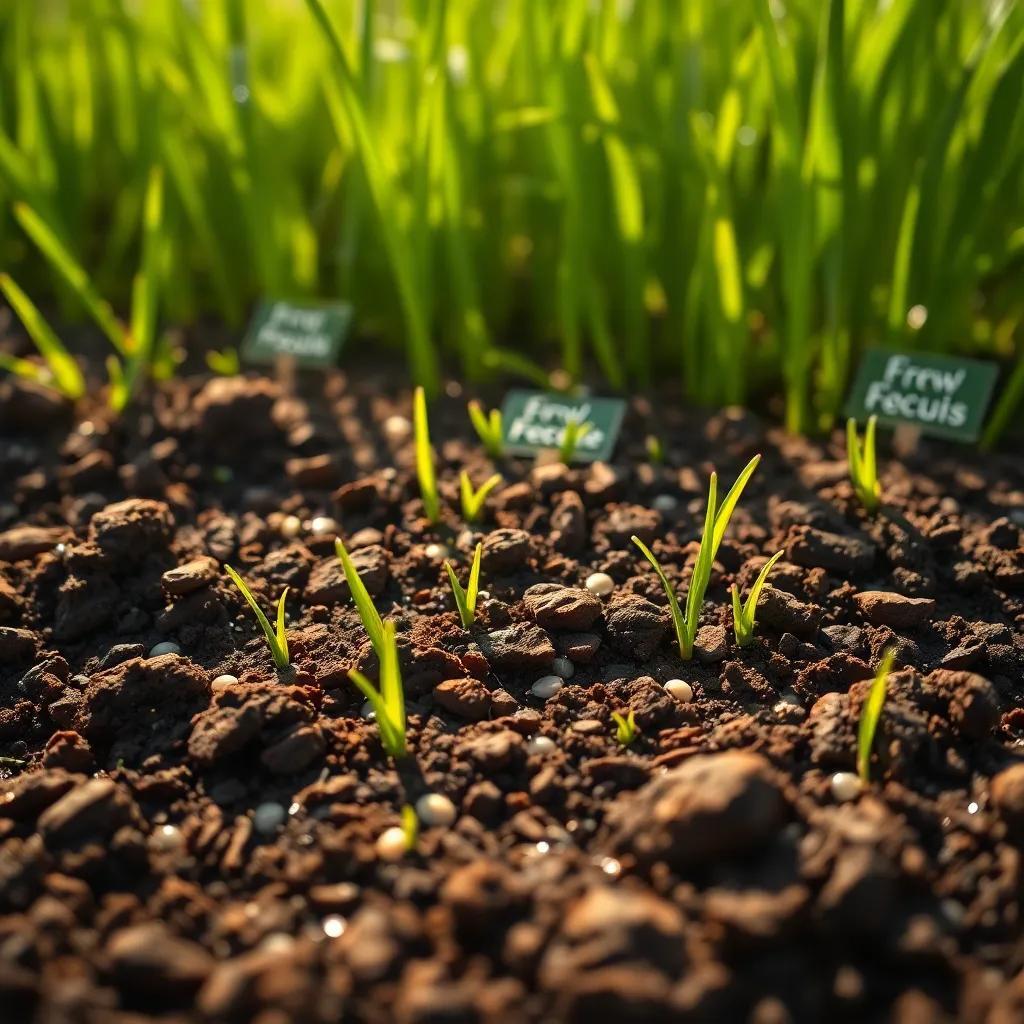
x=64, y=373
x=715, y=523
x=465, y=600
x=743, y=615
x=372, y=622
x=625, y=728
x=276, y=641
x=870, y=714
x=488, y=429
x=388, y=702
x=574, y=433
x=224, y=363
x=863, y=467
x=410, y=827
x=425, y=458
x=655, y=449
x=473, y=501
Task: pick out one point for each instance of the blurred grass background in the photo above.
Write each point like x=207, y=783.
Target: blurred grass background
x=734, y=195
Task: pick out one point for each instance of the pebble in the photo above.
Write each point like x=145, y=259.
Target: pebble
x=665, y=503
x=291, y=526
x=367, y=712
x=166, y=647
x=546, y=687
x=334, y=926
x=268, y=818
x=680, y=690
x=397, y=428
x=436, y=551
x=390, y=844
x=323, y=526
x=554, y=606
x=882, y=608
x=540, y=745
x=563, y=667
x=435, y=809
x=845, y=786
x=167, y=838
x=224, y=681
x=600, y=584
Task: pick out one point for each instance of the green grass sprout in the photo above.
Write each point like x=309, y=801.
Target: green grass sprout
x=224, y=363
x=488, y=429
x=870, y=714
x=625, y=728
x=465, y=600
x=425, y=458
x=276, y=641
x=655, y=450
x=574, y=433
x=715, y=522
x=744, y=615
x=65, y=375
x=372, y=622
x=410, y=827
x=388, y=702
x=473, y=501
x=863, y=467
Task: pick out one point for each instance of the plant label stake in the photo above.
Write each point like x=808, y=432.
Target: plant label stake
x=922, y=393
x=535, y=421
x=311, y=335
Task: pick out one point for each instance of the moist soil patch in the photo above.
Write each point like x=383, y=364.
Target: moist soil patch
x=186, y=836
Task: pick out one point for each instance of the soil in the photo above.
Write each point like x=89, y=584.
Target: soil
x=179, y=846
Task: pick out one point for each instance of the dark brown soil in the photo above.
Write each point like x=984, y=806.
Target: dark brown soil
x=176, y=850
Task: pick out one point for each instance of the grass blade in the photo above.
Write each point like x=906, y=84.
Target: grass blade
x=372, y=622
x=870, y=714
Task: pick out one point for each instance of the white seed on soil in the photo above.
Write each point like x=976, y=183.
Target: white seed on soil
x=546, y=687
x=268, y=818
x=167, y=647
x=540, y=745
x=436, y=551
x=391, y=844
x=322, y=526
x=397, y=428
x=167, y=838
x=972, y=807
x=334, y=926
x=223, y=681
x=845, y=786
x=367, y=712
x=600, y=584
x=563, y=667
x=277, y=942
x=290, y=527
x=435, y=809
x=483, y=595
x=680, y=690
x=610, y=866
x=665, y=503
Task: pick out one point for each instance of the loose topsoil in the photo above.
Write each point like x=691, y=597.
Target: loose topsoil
x=176, y=846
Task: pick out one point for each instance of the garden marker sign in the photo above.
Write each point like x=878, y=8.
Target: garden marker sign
x=933, y=394
x=311, y=335
x=535, y=421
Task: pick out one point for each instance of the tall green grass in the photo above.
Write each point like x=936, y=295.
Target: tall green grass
x=741, y=194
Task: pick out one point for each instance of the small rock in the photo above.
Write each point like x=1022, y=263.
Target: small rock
x=300, y=746
x=546, y=687
x=813, y=548
x=191, y=576
x=1007, y=789
x=129, y=530
x=149, y=958
x=506, y=550
x=24, y=542
x=466, y=698
x=165, y=647
x=220, y=732
x=625, y=521
x=318, y=471
x=98, y=807
x=568, y=524
x=328, y=585
x=579, y=648
x=16, y=645
x=520, y=646
x=883, y=608
x=268, y=818
x=233, y=409
x=710, y=644
x=563, y=667
x=635, y=625
x=784, y=613
x=554, y=606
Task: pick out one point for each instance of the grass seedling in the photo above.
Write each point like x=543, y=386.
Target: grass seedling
x=276, y=641
x=473, y=501
x=64, y=373
x=574, y=433
x=488, y=429
x=743, y=615
x=655, y=450
x=388, y=702
x=715, y=522
x=870, y=714
x=465, y=600
x=625, y=728
x=410, y=827
x=372, y=622
x=224, y=363
x=425, y=459
x=863, y=467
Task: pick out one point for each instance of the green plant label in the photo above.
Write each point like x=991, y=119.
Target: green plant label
x=311, y=335
x=939, y=395
x=533, y=421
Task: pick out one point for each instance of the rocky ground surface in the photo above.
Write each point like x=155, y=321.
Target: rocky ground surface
x=186, y=836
